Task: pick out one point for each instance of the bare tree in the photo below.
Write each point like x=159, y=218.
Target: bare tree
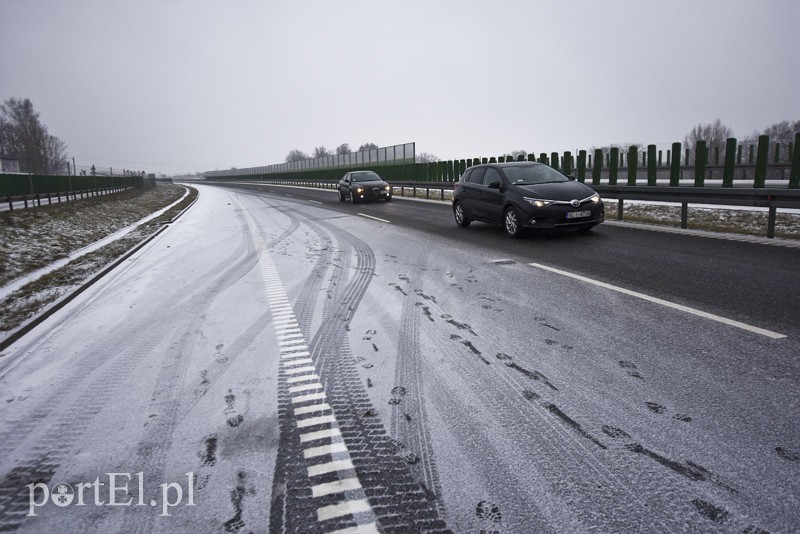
x=514, y=154
x=342, y=149
x=24, y=137
x=55, y=152
x=296, y=155
x=321, y=152
x=781, y=132
x=367, y=146
x=714, y=134
x=425, y=157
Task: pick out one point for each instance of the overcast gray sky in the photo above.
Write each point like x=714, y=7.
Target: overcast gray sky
x=188, y=85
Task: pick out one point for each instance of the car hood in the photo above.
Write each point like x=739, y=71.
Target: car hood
x=373, y=183
x=557, y=191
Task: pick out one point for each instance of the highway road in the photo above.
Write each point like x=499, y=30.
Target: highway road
x=278, y=361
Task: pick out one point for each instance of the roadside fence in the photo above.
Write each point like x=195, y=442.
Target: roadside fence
x=27, y=190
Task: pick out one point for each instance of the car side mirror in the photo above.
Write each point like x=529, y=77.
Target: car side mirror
x=494, y=185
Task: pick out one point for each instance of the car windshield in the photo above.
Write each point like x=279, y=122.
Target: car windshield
x=533, y=174
x=365, y=177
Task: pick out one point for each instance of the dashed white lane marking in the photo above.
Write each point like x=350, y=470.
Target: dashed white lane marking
x=374, y=218
x=320, y=434
x=330, y=467
x=686, y=309
x=304, y=378
x=302, y=361
x=311, y=396
x=300, y=370
x=324, y=450
x=305, y=387
x=315, y=421
x=315, y=201
x=314, y=408
x=338, y=486
x=343, y=508
x=370, y=528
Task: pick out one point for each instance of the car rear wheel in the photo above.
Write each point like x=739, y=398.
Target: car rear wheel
x=511, y=222
x=461, y=219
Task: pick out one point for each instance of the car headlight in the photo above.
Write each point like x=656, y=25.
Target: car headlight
x=538, y=202
x=359, y=189
x=388, y=188
x=595, y=198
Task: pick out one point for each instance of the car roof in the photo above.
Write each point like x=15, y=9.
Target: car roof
x=509, y=164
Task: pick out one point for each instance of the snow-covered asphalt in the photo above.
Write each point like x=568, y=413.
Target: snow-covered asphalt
x=279, y=362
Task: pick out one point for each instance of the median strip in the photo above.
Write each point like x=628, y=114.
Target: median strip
x=706, y=315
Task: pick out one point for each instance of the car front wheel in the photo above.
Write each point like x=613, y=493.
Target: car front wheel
x=512, y=223
x=341, y=196
x=461, y=219
x=352, y=198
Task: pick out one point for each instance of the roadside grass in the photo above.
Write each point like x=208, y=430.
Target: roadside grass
x=31, y=239
x=33, y=297
x=733, y=221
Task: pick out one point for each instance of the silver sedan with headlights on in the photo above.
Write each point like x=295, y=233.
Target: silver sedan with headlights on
x=363, y=185
x=523, y=195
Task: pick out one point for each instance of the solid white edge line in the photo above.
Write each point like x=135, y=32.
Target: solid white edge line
x=375, y=218
x=680, y=307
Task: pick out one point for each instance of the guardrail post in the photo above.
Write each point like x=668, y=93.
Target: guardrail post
x=582, y=166
x=659, y=158
x=675, y=168
x=543, y=158
x=620, y=208
x=750, y=157
x=777, y=152
x=613, y=166
x=794, y=177
x=554, y=160
x=730, y=154
x=739, y=155
x=700, y=158
x=761, y=161
x=531, y=157
x=651, y=165
x=771, y=222
x=686, y=159
x=633, y=162
x=716, y=155
x=567, y=163
x=684, y=215
x=598, y=165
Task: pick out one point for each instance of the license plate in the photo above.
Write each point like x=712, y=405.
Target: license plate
x=578, y=214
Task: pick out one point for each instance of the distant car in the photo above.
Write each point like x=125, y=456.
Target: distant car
x=363, y=185
x=525, y=195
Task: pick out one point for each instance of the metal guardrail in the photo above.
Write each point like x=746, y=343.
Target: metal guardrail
x=772, y=199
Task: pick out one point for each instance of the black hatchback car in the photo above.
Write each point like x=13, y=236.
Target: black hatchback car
x=525, y=195
x=363, y=185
